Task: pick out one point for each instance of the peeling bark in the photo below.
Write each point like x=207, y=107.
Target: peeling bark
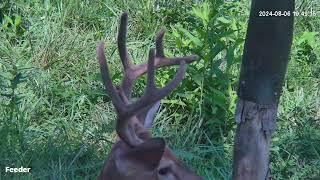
x=256, y=123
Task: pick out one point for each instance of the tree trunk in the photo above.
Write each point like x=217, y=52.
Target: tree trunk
x=264, y=63
x=251, y=154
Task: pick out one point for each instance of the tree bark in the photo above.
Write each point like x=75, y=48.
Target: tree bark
x=264, y=63
x=251, y=150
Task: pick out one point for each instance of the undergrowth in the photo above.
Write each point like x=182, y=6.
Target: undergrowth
x=56, y=118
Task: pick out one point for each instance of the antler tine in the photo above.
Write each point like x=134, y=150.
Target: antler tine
x=152, y=93
x=159, y=43
x=151, y=70
x=116, y=100
x=161, y=60
x=132, y=72
x=129, y=75
x=122, y=37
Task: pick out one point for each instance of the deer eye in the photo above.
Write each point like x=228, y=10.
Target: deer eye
x=164, y=171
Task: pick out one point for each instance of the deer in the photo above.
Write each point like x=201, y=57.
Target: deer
x=137, y=155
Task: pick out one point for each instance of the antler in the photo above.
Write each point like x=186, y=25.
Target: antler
x=132, y=72
x=121, y=97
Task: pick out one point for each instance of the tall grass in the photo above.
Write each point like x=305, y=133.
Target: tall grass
x=56, y=118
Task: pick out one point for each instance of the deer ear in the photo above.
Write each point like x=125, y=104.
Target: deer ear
x=146, y=116
x=144, y=157
x=151, y=115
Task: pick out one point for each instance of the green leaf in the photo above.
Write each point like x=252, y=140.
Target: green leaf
x=202, y=12
x=198, y=78
x=6, y=75
x=223, y=20
x=192, y=38
x=216, y=50
x=8, y=19
x=219, y=98
x=230, y=57
x=309, y=37
x=17, y=20
x=173, y=101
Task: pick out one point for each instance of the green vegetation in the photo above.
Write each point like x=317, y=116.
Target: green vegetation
x=56, y=118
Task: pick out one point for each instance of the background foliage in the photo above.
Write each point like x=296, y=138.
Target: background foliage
x=56, y=118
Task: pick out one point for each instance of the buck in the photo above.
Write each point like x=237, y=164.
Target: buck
x=136, y=155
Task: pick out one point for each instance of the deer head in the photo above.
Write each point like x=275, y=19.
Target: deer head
x=136, y=155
